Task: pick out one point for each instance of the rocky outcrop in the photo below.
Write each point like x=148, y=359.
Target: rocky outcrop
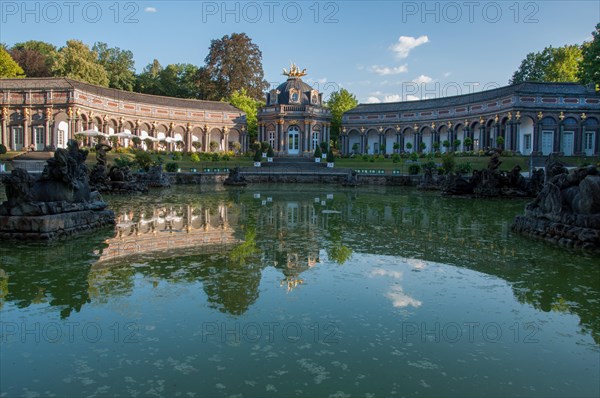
x=567, y=210
x=60, y=203
x=113, y=180
x=154, y=177
x=491, y=182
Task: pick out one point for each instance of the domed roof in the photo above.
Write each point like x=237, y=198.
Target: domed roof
x=294, y=84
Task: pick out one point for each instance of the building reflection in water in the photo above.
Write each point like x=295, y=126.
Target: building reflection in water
x=168, y=228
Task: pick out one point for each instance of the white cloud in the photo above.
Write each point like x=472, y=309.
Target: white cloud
x=386, y=70
x=447, y=74
x=384, y=272
x=150, y=9
x=401, y=299
x=392, y=98
x=411, y=97
x=423, y=79
x=407, y=43
x=373, y=100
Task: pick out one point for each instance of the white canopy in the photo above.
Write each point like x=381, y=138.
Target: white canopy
x=123, y=134
x=92, y=133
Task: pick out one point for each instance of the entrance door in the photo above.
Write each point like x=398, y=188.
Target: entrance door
x=39, y=138
x=293, y=140
x=547, y=139
x=17, y=133
x=588, y=143
x=567, y=143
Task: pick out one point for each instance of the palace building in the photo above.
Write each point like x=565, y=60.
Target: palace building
x=39, y=113
x=528, y=118
x=294, y=120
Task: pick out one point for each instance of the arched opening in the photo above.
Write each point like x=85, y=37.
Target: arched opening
x=372, y=142
x=354, y=142
x=390, y=140
x=526, y=136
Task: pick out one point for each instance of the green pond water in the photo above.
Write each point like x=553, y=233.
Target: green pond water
x=300, y=290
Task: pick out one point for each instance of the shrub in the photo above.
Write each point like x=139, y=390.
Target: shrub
x=257, y=155
x=213, y=146
x=2, y=149
x=270, y=152
x=124, y=161
x=440, y=171
x=318, y=152
x=225, y=157
x=330, y=156
x=437, y=155
x=256, y=146
x=215, y=157
x=395, y=158
x=264, y=146
x=429, y=166
x=468, y=142
x=195, y=158
x=414, y=169
x=448, y=163
x=414, y=156
x=176, y=156
x=143, y=159
x=172, y=167
x=323, y=146
x=197, y=145
x=464, y=168
x=365, y=158
x=372, y=159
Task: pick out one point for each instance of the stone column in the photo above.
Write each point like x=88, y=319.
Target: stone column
x=536, y=137
x=558, y=139
x=3, y=124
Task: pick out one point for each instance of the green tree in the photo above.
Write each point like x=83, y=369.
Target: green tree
x=148, y=82
x=339, y=102
x=118, y=64
x=235, y=62
x=8, y=66
x=532, y=67
x=77, y=61
x=178, y=80
x=564, y=65
x=589, y=68
x=550, y=65
x=241, y=100
x=35, y=57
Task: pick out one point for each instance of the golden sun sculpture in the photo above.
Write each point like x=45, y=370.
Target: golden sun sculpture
x=294, y=71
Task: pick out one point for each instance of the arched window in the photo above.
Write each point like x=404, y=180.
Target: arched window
x=315, y=140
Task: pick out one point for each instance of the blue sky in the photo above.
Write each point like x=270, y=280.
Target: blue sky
x=378, y=50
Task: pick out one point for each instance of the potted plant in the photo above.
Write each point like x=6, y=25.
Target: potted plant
x=456, y=144
x=264, y=147
x=396, y=147
x=408, y=146
x=323, y=150
x=500, y=142
x=468, y=143
x=355, y=148
x=422, y=145
x=213, y=146
x=257, y=158
x=318, y=154
x=330, y=158
x=270, y=154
